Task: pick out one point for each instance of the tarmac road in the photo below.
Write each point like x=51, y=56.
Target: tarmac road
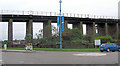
x=53, y=57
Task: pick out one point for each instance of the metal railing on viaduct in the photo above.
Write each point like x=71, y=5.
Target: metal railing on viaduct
x=105, y=25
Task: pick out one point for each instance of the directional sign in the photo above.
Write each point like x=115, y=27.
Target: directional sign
x=97, y=42
x=62, y=23
x=58, y=23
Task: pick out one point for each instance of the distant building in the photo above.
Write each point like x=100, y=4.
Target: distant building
x=119, y=9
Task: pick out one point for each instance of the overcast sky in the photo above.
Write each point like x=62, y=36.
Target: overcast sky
x=93, y=7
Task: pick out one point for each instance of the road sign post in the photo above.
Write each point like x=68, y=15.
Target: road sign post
x=60, y=27
x=97, y=42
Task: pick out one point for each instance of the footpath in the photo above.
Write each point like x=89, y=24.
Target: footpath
x=24, y=51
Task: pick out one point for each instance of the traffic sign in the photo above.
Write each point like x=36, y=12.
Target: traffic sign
x=58, y=23
x=97, y=42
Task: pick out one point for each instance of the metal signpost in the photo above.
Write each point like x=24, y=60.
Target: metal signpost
x=60, y=27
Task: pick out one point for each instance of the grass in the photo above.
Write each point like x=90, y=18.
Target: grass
x=55, y=49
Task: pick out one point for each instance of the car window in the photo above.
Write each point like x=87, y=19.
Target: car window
x=110, y=44
x=103, y=44
x=114, y=44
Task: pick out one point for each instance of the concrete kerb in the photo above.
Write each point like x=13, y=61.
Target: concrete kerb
x=28, y=51
x=23, y=51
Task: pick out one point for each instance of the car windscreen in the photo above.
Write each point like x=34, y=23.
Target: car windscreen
x=103, y=44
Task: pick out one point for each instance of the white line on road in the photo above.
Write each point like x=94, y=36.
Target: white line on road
x=90, y=54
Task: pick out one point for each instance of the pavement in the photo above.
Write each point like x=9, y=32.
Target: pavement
x=24, y=51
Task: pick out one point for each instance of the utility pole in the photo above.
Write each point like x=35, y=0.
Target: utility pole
x=60, y=27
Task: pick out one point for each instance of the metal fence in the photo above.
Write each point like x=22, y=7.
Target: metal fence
x=16, y=12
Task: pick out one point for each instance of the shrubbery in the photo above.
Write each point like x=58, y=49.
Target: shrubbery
x=105, y=39
x=74, y=36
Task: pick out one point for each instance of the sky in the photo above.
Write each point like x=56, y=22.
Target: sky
x=93, y=7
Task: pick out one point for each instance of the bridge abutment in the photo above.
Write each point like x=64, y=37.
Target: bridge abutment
x=47, y=32
x=10, y=31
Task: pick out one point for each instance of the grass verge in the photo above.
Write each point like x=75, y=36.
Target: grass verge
x=57, y=49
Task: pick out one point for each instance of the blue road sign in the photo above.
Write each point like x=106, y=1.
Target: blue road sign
x=58, y=23
x=62, y=23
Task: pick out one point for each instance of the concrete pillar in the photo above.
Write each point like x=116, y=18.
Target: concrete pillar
x=75, y=25
x=47, y=32
x=101, y=29
x=117, y=32
x=66, y=24
x=106, y=29
x=91, y=29
x=79, y=26
x=113, y=30
x=29, y=28
x=94, y=29
x=10, y=31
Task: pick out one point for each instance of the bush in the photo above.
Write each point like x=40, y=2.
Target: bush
x=74, y=36
x=105, y=39
x=78, y=41
x=87, y=38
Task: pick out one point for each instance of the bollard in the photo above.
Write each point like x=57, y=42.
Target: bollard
x=26, y=47
x=31, y=48
x=5, y=46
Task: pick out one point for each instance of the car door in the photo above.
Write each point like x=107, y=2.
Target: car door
x=114, y=47
x=111, y=46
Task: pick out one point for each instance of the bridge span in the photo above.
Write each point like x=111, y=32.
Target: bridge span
x=105, y=25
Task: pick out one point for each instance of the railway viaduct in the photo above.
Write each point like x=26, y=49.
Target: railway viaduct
x=105, y=26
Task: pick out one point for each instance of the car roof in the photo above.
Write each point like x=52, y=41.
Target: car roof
x=109, y=43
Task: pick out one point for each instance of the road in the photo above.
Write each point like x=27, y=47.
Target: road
x=0, y=57
x=53, y=57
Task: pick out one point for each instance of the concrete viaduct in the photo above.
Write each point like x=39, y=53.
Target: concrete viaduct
x=105, y=26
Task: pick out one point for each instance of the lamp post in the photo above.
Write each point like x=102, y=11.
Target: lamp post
x=60, y=27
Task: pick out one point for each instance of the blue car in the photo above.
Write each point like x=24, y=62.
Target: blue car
x=109, y=47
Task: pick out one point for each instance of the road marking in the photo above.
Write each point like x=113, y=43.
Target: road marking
x=90, y=54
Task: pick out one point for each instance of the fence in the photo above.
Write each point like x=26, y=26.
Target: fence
x=16, y=12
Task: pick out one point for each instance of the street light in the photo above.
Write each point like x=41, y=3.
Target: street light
x=60, y=26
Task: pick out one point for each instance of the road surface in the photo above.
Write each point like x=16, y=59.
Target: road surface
x=53, y=57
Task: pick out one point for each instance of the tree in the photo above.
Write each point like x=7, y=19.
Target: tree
x=28, y=38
